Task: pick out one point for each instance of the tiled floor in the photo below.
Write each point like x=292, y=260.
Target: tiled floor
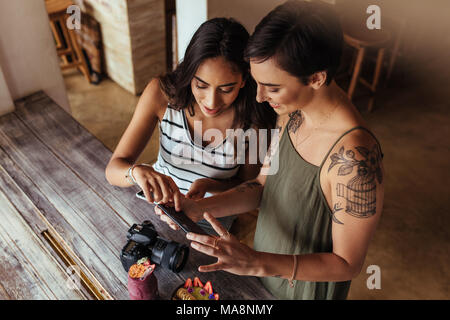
x=411, y=120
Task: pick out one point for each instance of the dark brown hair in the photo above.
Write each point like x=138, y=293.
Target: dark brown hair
x=219, y=37
x=303, y=37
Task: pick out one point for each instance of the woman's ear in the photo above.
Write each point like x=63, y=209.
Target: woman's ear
x=317, y=80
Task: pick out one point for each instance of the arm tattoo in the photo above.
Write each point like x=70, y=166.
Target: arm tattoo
x=336, y=208
x=248, y=185
x=360, y=192
x=296, y=120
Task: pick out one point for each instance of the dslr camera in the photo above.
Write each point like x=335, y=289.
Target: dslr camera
x=143, y=241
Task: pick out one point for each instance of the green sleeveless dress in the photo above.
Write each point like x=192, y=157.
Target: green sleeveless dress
x=294, y=218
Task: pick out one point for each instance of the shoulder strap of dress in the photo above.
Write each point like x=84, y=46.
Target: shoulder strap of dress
x=347, y=132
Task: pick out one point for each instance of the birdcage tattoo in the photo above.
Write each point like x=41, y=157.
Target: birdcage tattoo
x=360, y=193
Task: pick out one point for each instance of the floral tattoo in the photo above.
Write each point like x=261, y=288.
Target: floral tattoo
x=360, y=191
x=296, y=120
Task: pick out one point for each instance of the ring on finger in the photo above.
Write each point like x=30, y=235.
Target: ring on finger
x=216, y=242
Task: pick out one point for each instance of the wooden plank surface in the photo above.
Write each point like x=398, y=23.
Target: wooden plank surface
x=73, y=201
x=61, y=168
x=75, y=156
x=85, y=154
x=41, y=216
x=28, y=270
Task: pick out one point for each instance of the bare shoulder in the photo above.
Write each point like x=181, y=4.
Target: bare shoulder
x=153, y=100
x=357, y=148
x=354, y=171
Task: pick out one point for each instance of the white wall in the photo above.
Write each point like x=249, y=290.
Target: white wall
x=6, y=103
x=27, y=51
x=190, y=15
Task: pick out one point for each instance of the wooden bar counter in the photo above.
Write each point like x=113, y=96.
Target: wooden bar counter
x=62, y=226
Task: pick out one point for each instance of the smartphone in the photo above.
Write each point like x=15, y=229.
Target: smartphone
x=179, y=217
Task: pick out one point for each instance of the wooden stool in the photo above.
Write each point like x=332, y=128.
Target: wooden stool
x=66, y=42
x=358, y=36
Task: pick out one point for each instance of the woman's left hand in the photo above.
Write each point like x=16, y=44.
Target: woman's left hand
x=233, y=256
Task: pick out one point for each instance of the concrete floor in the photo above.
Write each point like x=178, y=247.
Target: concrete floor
x=411, y=120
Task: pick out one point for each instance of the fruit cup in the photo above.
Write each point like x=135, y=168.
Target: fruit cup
x=144, y=288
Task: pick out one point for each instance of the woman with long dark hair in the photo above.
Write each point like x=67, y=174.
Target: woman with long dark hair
x=211, y=89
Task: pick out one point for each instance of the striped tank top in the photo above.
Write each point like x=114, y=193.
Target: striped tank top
x=185, y=161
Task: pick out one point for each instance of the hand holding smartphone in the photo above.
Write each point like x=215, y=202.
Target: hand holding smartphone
x=180, y=218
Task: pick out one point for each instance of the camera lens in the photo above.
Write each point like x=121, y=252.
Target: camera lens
x=179, y=258
x=169, y=254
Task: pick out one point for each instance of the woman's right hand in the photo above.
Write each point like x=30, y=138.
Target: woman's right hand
x=157, y=187
x=190, y=207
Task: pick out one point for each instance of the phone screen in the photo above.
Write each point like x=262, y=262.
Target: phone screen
x=180, y=218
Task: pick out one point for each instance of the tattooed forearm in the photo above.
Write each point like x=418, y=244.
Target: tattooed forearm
x=296, y=120
x=248, y=185
x=360, y=191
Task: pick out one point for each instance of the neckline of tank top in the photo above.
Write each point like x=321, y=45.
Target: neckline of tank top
x=188, y=135
x=332, y=146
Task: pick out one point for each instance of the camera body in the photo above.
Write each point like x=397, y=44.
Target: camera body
x=143, y=241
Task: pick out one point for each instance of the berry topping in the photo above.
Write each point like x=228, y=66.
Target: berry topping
x=188, y=283
x=208, y=287
x=197, y=282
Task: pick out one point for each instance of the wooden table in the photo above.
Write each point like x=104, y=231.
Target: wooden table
x=61, y=220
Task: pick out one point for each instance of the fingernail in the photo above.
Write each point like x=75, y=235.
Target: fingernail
x=189, y=235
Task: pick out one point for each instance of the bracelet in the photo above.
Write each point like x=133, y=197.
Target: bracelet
x=129, y=174
x=294, y=272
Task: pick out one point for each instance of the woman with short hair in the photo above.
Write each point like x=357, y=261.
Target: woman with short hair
x=319, y=211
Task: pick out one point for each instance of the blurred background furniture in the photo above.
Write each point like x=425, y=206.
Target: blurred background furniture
x=66, y=43
x=133, y=35
x=89, y=38
x=373, y=52
x=397, y=28
x=361, y=39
